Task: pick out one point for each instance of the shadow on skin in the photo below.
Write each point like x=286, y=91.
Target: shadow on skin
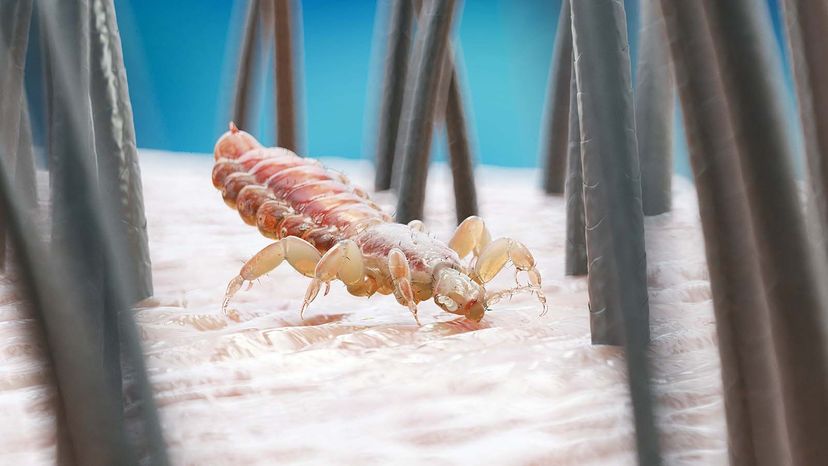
x=459, y=325
x=314, y=320
x=315, y=329
x=451, y=327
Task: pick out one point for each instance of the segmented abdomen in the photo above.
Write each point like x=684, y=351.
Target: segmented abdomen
x=287, y=195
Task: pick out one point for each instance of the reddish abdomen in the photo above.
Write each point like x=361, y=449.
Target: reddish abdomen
x=287, y=195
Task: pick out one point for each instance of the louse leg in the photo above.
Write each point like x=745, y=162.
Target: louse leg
x=495, y=256
x=401, y=277
x=343, y=261
x=471, y=236
x=298, y=252
x=495, y=297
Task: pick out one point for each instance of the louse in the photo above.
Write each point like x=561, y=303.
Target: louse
x=328, y=229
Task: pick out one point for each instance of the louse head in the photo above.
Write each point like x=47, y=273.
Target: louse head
x=457, y=293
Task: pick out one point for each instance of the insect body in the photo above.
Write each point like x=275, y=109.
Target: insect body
x=329, y=229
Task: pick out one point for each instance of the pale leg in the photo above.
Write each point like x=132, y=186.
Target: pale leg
x=471, y=236
x=343, y=261
x=495, y=256
x=298, y=252
x=401, y=276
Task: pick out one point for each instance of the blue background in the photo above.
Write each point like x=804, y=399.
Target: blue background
x=181, y=59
